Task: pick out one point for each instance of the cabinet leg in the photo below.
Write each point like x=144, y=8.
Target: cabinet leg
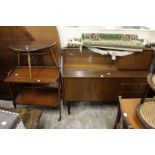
x=69, y=106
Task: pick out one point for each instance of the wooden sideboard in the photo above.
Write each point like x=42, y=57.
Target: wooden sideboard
x=88, y=76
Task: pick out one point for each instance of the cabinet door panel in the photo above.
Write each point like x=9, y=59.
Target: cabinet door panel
x=109, y=89
x=104, y=89
x=77, y=89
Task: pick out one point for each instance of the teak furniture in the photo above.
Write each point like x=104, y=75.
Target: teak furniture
x=36, y=85
x=93, y=77
x=30, y=48
x=8, y=58
x=127, y=118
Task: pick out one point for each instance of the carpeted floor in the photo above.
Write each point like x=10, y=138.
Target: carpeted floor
x=83, y=116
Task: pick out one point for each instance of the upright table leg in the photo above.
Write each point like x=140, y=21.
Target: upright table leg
x=59, y=92
x=29, y=63
x=18, y=58
x=53, y=57
x=12, y=94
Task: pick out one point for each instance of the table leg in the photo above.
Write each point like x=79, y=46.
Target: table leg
x=14, y=104
x=12, y=94
x=18, y=58
x=59, y=92
x=29, y=63
x=59, y=113
x=53, y=57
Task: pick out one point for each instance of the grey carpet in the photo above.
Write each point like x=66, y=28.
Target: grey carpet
x=83, y=116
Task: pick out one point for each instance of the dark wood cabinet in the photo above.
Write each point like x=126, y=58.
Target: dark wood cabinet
x=89, y=76
x=102, y=89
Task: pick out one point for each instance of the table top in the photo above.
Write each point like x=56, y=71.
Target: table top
x=43, y=75
x=128, y=106
x=31, y=46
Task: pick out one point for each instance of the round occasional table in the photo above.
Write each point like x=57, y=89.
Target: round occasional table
x=33, y=48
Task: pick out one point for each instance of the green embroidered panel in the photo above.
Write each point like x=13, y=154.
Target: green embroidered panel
x=112, y=41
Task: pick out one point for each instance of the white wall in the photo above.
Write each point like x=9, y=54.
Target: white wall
x=67, y=33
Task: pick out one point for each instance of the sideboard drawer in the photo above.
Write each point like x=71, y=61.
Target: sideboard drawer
x=131, y=89
x=131, y=86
